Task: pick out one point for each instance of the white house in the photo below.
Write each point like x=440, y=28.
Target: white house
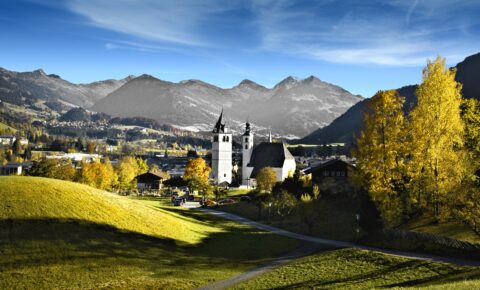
x=266, y=154
x=7, y=139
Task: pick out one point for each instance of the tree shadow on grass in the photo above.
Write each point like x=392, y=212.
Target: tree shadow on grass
x=445, y=273
x=28, y=243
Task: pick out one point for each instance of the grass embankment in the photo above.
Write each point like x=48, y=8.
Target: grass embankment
x=57, y=234
x=451, y=229
x=358, y=269
x=336, y=217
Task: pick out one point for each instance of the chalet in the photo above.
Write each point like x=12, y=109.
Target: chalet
x=336, y=169
x=151, y=180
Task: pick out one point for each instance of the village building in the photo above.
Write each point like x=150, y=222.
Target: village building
x=254, y=158
x=221, y=153
x=151, y=180
x=332, y=175
x=15, y=168
x=7, y=140
x=266, y=154
x=335, y=168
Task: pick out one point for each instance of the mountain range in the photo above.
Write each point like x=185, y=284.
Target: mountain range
x=292, y=108
x=349, y=124
x=31, y=87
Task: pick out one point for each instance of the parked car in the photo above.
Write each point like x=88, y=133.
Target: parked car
x=178, y=201
x=245, y=198
x=226, y=201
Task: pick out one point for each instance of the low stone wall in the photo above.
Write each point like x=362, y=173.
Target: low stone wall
x=427, y=240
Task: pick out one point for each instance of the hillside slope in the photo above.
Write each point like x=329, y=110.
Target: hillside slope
x=62, y=235
x=345, y=127
x=43, y=198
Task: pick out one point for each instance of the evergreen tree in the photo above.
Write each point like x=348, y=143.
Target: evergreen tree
x=437, y=134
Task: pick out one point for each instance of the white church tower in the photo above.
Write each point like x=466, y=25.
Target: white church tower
x=247, y=148
x=221, y=153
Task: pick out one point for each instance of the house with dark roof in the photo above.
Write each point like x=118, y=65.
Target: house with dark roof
x=266, y=154
x=151, y=180
x=335, y=169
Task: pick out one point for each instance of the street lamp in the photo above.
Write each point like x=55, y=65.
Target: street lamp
x=357, y=217
x=269, y=209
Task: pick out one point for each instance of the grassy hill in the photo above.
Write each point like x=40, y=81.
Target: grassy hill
x=4, y=127
x=57, y=234
x=358, y=269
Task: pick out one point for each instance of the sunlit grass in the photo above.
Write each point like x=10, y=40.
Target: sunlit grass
x=358, y=269
x=62, y=235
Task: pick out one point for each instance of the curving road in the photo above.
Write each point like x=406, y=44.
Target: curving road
x=338, y=244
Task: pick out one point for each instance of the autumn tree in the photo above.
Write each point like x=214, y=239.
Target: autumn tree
x=437, y=133
x=381, y=154
x=196, y=175
x=266, y=179
x=284, y=204
x=471, y=117
x=126, y=169
x=308, y=211
x=54, y=168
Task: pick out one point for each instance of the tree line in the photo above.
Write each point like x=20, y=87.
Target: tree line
x=424, y=162
x=99, y=174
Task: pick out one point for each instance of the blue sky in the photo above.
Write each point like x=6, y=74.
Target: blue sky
x=362, y=46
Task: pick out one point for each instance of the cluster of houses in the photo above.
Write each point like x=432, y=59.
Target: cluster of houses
x=253, y=158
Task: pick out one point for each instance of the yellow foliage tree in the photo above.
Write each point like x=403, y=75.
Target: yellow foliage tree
x=437, y=134
x=196, y=175
x=381, y=154
x=266, y=179
x=126, y=169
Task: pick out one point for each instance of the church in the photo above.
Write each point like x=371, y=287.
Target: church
x=254, y=158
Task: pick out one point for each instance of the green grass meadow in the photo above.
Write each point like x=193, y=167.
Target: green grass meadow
x=358, y=269
x=62, y=235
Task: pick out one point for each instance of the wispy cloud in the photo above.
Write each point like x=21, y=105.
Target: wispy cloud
x=178, y=22
x=388, y=32
x=378, y=32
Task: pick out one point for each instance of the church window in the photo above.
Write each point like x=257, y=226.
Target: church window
x=246, y=139
x=338, y=173
x=228, y=139
x=224, y=175
x=246, y=146
x=224, y=138
x=343, y=173
x=215, y=138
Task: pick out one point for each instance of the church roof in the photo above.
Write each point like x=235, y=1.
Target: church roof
x=219, y=127
x=268, y=155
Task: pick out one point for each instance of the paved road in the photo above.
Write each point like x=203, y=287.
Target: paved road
x=338, y=244
x=305, y=249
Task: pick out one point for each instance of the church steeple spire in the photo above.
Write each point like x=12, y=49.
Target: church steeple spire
x=269, y=135
x=219, y=127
